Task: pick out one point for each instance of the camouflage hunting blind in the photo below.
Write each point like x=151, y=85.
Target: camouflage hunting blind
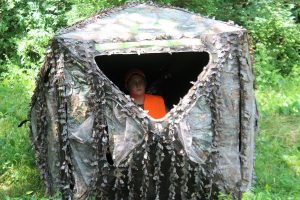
x=92, y=140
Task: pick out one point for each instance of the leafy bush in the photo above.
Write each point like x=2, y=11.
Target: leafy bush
x=31, y=48
x=11, y=26
x=276, y=40
x=26, y=27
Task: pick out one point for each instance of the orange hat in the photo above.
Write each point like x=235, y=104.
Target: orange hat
x=132, y=72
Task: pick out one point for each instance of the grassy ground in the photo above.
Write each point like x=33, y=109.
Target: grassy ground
x=283, y=99
x=278, y=159
x=277, y=153
x=18, y=174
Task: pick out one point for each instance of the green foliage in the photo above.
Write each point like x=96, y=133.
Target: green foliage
x=82, y=9
x=18, y=173
x=284, y=100
x=10, y=26
x=276, y=39
x=277, y=159
x=26, y=27
x=31, y=48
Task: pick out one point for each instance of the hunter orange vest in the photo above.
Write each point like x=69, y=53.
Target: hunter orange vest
x=155, y=105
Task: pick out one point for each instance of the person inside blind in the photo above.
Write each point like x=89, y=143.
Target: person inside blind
x=135, y=83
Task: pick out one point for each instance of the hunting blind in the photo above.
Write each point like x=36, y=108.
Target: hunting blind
x=92, y=140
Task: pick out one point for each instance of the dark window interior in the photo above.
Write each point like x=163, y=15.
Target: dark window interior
x=168, y=75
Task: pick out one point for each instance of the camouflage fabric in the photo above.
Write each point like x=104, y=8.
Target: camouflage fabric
x=204, y=145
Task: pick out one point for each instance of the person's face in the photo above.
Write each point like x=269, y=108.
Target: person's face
x=137, y=85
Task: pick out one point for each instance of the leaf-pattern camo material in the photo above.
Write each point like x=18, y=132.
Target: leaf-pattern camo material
x=125, y=132
x=92, y=141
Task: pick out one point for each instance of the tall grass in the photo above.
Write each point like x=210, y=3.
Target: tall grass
x=18, y=174
x=283, y=98
x=277, y=163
